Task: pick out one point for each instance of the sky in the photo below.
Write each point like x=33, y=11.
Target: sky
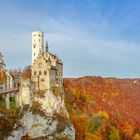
x=91, y=37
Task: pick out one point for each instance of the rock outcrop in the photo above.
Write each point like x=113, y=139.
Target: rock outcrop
x=46, y=118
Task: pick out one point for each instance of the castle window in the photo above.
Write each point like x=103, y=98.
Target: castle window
x=34, y=72
x=40, y=73
x=45, y=72
x=42, y=80
x=34, y=54
x=34, y=46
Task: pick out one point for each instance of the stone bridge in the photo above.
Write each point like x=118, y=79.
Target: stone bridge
x=7, y=93
x=12, y=90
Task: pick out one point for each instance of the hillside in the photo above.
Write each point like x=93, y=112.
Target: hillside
x=116, y=100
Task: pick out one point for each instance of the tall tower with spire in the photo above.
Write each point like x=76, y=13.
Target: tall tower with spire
x=47, y=68
x=37, y=44
x=2, y=64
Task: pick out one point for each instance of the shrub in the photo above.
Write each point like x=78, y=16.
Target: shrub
x=117, y=115
x=87, y=99
x=56, y=90
x=12, y=103
x=95, y=124
x=9, y=121
x=36, y=109
x=2, y=103
x=114, y=134
x=63, y=122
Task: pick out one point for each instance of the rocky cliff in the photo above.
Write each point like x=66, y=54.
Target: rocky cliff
x=47, y=118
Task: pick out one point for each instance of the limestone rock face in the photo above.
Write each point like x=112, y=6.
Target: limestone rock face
x=51, y=103
x=25, y=93
x=53, y=123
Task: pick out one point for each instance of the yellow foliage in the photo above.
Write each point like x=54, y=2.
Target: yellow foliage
x=91, y=136
x=136, y=137
x=104, y=114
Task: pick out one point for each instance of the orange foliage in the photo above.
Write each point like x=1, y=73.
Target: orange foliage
x=66, y=138
x=90, y=136
x=127, y=128
x=26, y=137
x=2, y=77
x=86, y=96
x=80, y=124
x=37, y=109
x=26, y=74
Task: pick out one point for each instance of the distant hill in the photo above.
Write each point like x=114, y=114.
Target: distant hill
x=117, y=99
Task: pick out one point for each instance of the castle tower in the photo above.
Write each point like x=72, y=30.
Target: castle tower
x=37, y=44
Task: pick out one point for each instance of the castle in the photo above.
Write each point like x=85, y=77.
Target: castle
x=46, y=73
x=47, y=68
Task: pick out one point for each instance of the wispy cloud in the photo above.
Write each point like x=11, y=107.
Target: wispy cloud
x=92, y=54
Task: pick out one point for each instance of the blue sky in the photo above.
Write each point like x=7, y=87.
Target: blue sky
x=92, y=37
